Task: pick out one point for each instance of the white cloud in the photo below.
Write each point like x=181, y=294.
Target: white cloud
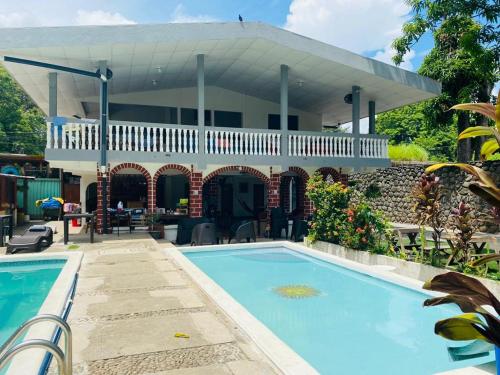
x=99, y=17
x=180, y=16
x=360, y=26
x=17, y=19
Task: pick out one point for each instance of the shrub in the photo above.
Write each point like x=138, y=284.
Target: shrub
x=408, y=152
x=330, y=202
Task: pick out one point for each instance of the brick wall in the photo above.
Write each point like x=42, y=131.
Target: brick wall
x=100, y=179
x=195, y=194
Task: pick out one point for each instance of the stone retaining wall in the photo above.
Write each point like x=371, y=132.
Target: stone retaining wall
x=396, y=183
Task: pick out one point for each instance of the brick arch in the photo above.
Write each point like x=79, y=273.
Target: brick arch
x=254, y=172
x=304, y=176
x=337, y=177
x=186, y=172
x=144, y=172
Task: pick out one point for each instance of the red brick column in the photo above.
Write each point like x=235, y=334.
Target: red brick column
x=195, y=194
x=273, y=193
x=151, y=195
x=100, y=178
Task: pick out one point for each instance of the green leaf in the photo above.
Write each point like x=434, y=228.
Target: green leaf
x=486, y=259
x=476, y=131
x=489, y=148
x=486, y=109
x=460, y=328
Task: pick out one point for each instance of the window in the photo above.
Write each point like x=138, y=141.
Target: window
x=228, y=119
x=208, y=117
x=189, y=116
x=142, y=113
x=274, y=122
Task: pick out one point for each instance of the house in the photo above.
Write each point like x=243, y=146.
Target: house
x=232, y=116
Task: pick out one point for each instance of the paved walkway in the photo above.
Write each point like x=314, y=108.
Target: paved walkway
x=131, y=299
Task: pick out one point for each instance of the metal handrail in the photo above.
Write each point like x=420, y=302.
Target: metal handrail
x=37, y=343
x=67, y=356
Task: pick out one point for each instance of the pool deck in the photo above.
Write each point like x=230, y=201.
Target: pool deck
x=130, y=301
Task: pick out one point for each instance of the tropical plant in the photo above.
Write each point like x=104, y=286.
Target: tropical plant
x=408, y=152
x=476, y=322
x=464, y=226
x=427, y=195
x=330, y=202
x=492, y=145
x=365, y=228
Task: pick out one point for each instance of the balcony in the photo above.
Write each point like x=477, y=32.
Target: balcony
x=78, y=140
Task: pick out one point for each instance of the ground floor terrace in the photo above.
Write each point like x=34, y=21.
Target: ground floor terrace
x=227, y=193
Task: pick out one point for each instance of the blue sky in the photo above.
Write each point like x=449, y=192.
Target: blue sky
x=363, y=26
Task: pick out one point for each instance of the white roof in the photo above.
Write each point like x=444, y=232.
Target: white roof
x=243, y=57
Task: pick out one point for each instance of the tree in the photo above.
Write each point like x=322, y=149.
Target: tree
x=22, y=124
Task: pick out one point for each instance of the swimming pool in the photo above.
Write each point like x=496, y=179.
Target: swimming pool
x=32, y=284
x=349, y=321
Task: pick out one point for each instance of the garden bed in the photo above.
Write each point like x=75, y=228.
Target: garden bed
x=419, y=271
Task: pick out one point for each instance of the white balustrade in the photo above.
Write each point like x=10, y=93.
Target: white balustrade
x=227, y=142
x=320, y=146
x=376, y=148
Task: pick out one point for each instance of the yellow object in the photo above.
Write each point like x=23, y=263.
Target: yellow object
x=181, y=335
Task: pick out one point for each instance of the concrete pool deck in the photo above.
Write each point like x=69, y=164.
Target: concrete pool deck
x=130, y=301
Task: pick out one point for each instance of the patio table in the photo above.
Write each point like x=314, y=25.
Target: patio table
x=68, y=217
x=3, y=219
x=117, y=218
x=410, y=230
x=478, y=241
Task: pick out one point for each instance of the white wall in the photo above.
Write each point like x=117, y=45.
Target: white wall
x=254, y=110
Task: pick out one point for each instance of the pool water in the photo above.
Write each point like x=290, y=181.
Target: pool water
x=24, y=285
x=352, y=323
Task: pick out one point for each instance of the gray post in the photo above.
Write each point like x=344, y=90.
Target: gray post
x=200, y=68
x=284, y=110
x=355, y=119
x=103, y=67
x=52, y=94
x=371, y=117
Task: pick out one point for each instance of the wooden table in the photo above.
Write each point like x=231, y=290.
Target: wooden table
x=68, y=217
x=117, y=218
x=167, y=219
x=410, y=230
x=3, y=219
x=478, y=241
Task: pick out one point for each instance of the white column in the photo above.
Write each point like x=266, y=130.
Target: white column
x=284, y=108
x=200, y=69
x=355, y=119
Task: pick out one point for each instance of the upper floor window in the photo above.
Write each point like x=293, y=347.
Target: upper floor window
x=228, y=119
x=274, y=121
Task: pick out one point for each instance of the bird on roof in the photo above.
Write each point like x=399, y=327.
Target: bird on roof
x=240, y=18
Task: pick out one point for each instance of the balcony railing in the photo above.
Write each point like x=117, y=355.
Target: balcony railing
x=182, y=139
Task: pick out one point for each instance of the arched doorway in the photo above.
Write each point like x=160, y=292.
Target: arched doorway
x=235, y=193
x=130, y=184
x=331, y=174
x=172, y=188
x=91, y=197
x=292, y=192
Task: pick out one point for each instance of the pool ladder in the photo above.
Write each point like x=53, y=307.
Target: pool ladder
x=64, y=359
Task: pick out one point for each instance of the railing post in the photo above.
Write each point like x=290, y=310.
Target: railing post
x=284, y=110
x=355, y=120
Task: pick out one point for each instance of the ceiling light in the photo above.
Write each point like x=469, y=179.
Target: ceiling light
x=158, y=69
x=154, y=82
x=300, y=83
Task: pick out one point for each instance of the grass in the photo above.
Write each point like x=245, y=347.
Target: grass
x=408, y=152
x=73, y=247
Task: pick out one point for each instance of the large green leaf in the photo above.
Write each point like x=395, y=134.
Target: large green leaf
x=466, y=304
x=490, y=195
x=489, y=148
x=486, y=109
x=476, y=131
x=458, y=284
x=460, y=328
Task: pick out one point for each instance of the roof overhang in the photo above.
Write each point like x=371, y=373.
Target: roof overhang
x=243, y=57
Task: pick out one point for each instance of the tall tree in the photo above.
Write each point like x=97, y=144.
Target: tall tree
x=22, y=125
x=464, y=58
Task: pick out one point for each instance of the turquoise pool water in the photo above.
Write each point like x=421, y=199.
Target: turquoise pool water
x=24, y=285
x=356, y=324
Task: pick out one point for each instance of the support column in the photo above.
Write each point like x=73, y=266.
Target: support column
x=371, y=117
x=103, y=189
x=284, y=111
x=195, y=194
x=200, y=68
x=355, y=119
x=273, y=194
x=52, y=94
x=103, y=144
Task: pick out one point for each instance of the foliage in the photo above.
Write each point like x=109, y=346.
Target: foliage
x=330, y=202
x=427, y=195
x=470, y=295
x=372, y=191
x=22, y=125
x=415, y=124
x=464, y=226
x=364, y=228
x=408, y=152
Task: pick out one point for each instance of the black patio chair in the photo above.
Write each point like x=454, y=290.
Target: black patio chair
x=279, y=222
x=204, y=234
x=185, y=229
x=244, y=230
x=300, y=230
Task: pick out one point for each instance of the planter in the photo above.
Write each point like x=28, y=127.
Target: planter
x=170, y=233
x=155, y=234
x=160, y=229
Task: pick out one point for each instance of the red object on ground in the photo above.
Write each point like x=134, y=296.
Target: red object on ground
x=75, y=223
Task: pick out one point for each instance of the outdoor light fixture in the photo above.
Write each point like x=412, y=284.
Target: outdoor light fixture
x=154, y=82
x=300, y=83
x=348, y=99
x=158, y=69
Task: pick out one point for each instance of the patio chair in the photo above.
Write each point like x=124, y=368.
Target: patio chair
x=279, y=222
x=31, y=240
x=204, y=234
x=243, y=230
x=300, y=229
x=185, y=229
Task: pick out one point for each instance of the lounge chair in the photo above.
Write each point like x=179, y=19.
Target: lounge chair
x=243, y=231
x=31, y=240
x=204, y=234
